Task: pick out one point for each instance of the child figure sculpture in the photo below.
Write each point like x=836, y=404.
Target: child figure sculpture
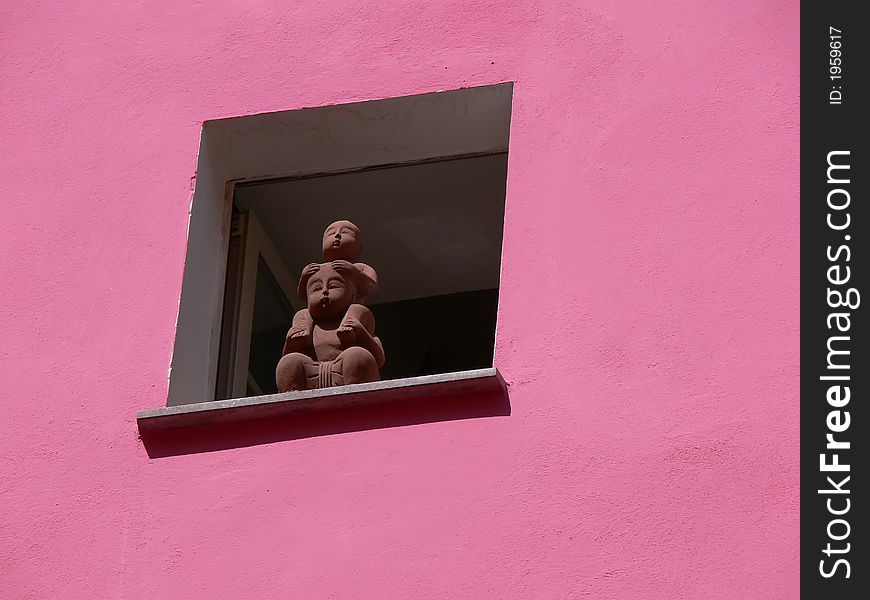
x=342, y=248
x=332, y=342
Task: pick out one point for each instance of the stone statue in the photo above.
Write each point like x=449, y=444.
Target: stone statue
x=332, y=342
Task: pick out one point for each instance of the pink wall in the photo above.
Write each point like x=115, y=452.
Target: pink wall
x=648, y=321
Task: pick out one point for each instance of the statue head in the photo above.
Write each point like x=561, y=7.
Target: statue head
x=329, y=293
x=342, y=240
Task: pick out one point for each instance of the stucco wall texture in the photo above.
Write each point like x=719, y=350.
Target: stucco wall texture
x=648, y=319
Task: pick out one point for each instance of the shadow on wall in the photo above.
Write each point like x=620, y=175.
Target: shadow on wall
x=315, y=423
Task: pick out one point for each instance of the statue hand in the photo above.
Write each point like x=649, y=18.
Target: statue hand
x=298, y=340
x=296, y=333
x=341, y=266
x=354, y=323
x=351, y=332
x=310, y=269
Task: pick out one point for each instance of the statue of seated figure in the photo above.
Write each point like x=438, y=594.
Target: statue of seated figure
x=342, y=347
x=342, y=249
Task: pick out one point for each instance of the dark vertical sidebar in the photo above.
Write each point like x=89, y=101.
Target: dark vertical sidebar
x=835, y=369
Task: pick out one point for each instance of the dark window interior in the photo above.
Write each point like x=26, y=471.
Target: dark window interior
x=433, y=233
x=438, y=334
x=272, y=316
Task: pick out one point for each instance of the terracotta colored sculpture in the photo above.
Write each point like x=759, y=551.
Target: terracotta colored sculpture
x=332, y=342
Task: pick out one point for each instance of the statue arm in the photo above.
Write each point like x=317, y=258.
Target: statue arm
x=369, y=278
x=292, y=344
x=299, y=337
x=361, y=320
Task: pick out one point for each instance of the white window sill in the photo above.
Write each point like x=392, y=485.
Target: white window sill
x=258, y=407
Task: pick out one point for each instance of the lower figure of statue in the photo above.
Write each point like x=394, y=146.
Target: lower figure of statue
x=332, y=342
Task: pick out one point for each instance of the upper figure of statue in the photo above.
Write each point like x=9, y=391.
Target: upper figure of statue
x=332, y=341
x=342, y=249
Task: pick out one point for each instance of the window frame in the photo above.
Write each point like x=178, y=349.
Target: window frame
x=237, y=314
x=196, y=354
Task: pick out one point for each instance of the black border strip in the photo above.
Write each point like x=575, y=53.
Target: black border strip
x=835, y=224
